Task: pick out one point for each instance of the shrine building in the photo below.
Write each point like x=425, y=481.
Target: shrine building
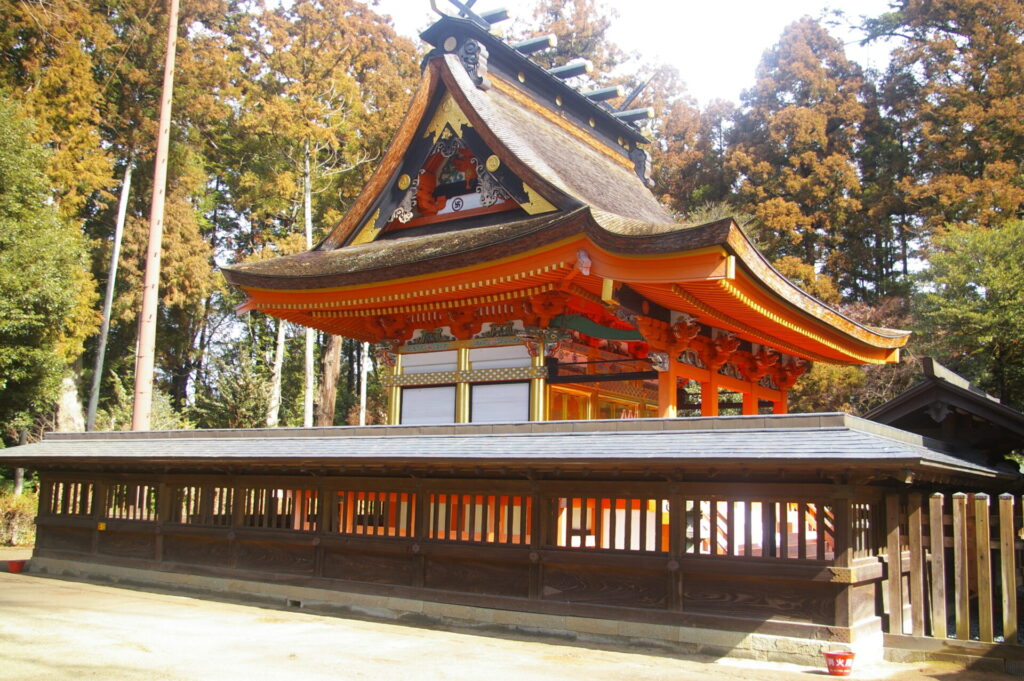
x=510, y=263
x=587, y=428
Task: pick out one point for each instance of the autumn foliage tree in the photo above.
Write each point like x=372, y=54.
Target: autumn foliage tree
x=959, y=66
x=793, y=146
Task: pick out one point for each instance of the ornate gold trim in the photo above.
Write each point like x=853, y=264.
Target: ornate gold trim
x=472, y=376
x=730, y=289
x=769, y=277
x=443, y=290
x=368, y=232
x=439, y=305
x=535, y=203
x=448, y=113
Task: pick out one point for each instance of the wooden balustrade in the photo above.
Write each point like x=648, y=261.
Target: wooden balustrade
x=733, y=550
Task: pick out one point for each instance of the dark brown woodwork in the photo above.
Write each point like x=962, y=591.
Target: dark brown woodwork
x=638, y=550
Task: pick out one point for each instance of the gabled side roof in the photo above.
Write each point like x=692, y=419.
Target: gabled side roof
x=947, y=407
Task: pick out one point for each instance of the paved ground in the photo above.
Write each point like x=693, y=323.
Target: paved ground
x=55, y=629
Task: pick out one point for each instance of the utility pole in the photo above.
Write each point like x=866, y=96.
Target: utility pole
x=144, y=359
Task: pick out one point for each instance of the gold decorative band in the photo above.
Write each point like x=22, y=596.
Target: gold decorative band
x=477, y=376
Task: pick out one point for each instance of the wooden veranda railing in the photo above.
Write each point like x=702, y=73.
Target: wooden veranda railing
x=957, y=559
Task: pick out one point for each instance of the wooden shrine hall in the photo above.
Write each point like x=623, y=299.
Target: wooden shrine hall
x=588, y=428
x=510, y=262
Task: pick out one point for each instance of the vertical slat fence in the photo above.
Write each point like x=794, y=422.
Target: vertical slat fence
x=962, y=576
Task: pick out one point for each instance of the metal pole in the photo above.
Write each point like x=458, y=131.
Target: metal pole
x=108, y=300
x=144, y=359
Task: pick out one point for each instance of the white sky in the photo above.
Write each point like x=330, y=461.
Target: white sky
x=715, y=45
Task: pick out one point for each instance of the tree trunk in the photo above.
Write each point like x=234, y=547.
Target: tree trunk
x=364, y=367
x=307, y=218
x=329, y=381
x=274, y=408
x=108, y=299
x=19, y=473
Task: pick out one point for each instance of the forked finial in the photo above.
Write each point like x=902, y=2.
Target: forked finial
x=485, y=19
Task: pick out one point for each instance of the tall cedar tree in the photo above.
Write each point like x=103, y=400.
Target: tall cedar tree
x=48, y=61
x=960, y=67
x=793, y=147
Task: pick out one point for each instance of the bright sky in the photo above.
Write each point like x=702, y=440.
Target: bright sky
x=715, y=45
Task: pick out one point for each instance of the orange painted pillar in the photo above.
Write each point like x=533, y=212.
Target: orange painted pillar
x=750, y=404
x=668, y=391
x=781, y=406
x=709, y=398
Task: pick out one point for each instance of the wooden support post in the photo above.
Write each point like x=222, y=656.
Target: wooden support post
x=99, y=509
x=668, y=391
x=916, y=540
x=750, y=406
x=1008, y=568
x=961, y=579
x=894, y=563
x=462, y=389
x=983, y=551
x=163, y=515
x=781, y=405
x=542, y=534
x=937, y=539
x=676, y=546
x=709, y=397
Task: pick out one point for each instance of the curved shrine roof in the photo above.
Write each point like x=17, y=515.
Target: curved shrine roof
x=580, y=212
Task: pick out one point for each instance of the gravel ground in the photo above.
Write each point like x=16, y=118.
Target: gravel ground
x=56, y=629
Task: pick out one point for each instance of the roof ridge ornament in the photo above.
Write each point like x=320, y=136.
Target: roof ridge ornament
x=484, y=19
x=473, y=56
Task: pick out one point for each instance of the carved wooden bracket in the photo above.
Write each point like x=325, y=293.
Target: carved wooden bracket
x=543, y=342
x=465, y=323
x=683, y=333
x=755, y=366
x=541, y=309
x=786, y=375
x=715, y=352
x=396, y=327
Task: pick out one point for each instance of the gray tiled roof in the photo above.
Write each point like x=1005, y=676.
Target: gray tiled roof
x=822, y=439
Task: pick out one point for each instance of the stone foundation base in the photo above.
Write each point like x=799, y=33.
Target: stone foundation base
x=676, y=639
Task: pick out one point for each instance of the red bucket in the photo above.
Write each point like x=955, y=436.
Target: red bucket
x=15, y=566
x=839, y=664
